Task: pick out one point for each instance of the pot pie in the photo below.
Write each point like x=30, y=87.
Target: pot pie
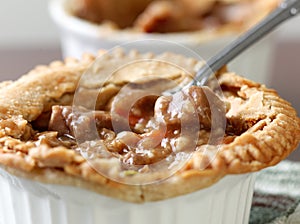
x=165, y=16
x=41, y=141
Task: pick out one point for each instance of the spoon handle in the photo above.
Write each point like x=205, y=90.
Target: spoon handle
x=284, y=11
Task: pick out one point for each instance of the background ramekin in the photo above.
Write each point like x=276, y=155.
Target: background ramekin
x=29, y=202
x=79, y=36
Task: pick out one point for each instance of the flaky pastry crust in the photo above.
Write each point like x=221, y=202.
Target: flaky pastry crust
x=264, y=129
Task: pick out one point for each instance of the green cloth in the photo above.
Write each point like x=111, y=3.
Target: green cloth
x=276, y=197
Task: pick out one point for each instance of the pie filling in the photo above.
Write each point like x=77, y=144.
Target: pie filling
x=153, y=129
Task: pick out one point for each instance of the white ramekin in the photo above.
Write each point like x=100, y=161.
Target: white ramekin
x=79, y=36
x=29, y=202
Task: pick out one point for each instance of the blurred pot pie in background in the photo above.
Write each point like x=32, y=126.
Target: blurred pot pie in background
x=205, y=27
x=163, y=16
x=42, y=134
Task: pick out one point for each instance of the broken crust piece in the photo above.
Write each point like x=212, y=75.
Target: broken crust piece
x=262, y=129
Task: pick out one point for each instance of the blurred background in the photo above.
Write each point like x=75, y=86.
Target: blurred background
x=28, y=37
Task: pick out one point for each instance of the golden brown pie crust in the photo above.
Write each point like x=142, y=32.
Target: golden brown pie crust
x=267, y=131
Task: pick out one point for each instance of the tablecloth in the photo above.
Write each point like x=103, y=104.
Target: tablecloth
x=277, y=195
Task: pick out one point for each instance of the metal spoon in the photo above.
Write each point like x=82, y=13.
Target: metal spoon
x=286, y=10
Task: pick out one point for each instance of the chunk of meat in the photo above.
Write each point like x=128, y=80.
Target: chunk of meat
x=78, y=122
x=168, y=124
x=194, y=100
